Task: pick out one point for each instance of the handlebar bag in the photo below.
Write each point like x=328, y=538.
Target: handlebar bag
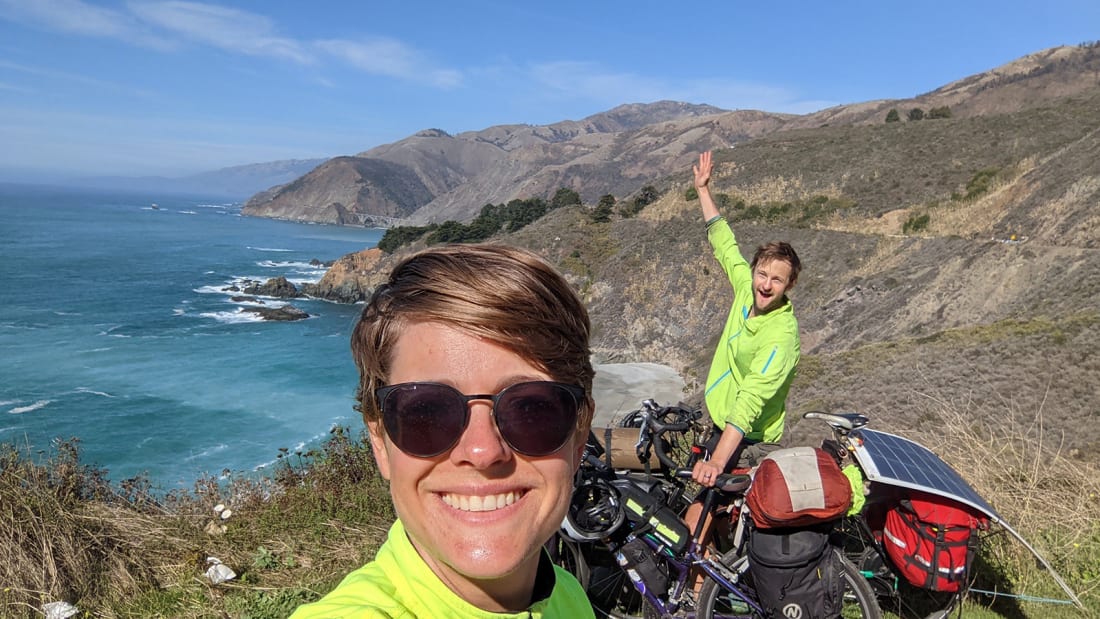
x=795, y=572
x=798, y=486
x=931, y=540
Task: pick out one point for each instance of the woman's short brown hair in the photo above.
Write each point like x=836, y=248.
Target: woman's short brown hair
x=507, y=295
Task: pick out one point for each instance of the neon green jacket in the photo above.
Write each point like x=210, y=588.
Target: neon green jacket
x=399, y=584
x=756, y=357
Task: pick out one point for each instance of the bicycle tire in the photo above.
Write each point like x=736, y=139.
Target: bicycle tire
x=859, y=599
x=567, y=553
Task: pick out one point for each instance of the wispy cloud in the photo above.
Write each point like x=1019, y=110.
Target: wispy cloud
x=224, y=28
x=14, y=88
x=594, y=82
x=71, y=77
x=169, y=24
x=384, y=56
x=77, y=17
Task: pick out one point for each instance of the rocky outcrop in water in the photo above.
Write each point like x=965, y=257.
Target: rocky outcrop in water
x=351, y=279
x=278, y=287
x=285, y=313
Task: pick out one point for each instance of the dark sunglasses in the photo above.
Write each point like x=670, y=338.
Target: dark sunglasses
x=426, y=419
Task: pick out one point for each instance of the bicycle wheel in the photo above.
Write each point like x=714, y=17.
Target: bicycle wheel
x=716, y=601
x=612, y=593
x=567, y=553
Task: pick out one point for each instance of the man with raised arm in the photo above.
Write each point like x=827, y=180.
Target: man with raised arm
x=758, y=352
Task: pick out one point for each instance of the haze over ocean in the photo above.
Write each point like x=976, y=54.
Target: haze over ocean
x=114, y=328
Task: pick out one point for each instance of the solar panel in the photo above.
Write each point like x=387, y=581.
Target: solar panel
x=897, y=461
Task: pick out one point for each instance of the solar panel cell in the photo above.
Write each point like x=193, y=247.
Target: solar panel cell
x=892, y=460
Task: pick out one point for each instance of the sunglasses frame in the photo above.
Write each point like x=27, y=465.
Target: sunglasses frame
x=382, y=393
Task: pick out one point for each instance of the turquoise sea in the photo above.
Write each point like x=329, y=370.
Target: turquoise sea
x=115, y=328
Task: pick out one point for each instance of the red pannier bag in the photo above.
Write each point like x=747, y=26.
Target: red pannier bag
x=931, y=540
x=796, y=487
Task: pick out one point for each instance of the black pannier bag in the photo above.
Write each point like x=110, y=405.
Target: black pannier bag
x=794, y=572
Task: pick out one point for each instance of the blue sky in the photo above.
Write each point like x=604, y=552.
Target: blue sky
x=141, y=87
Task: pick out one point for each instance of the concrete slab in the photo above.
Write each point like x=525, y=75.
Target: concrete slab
x=619, y=388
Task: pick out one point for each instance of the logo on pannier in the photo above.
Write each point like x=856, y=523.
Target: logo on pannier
x=792, y=611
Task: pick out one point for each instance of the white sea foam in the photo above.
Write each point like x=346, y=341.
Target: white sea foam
x=236, y=317
x=19, y=410
x=7, y=402
x=298, y=281
x=261, y=302
x=109, y=332
x=179, y=311
x=207, y=452
x=188, y=212
x=93, y=392
x=289, y=264
x=270, y=249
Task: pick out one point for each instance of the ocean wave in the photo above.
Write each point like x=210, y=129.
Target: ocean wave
x=109, y=332
x=188, y=212
x=207, y=452
x=19, y=410
x=93, y=392
x=298, y=281
x=269, y=249
x=286, y=264
x=236, y=317
x=260, y=301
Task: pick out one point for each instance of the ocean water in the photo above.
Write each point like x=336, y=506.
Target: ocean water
x=115, y=329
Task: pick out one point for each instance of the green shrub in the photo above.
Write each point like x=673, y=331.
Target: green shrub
x=915, y=223
x=979, y=183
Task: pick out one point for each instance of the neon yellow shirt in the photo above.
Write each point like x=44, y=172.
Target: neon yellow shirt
x=398, y=584
x=756, y=358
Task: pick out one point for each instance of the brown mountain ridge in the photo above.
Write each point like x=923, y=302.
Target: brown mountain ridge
x=951, y=264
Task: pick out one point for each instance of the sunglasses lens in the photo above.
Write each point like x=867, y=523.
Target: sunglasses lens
x=536, y=418
x=424, y=420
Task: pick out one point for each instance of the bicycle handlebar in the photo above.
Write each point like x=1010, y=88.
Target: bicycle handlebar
x=734, y=483
x=657, y=428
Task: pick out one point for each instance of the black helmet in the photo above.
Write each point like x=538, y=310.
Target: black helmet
x=595, y=511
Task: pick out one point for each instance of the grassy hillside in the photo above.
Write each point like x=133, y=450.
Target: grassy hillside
x=125, y=551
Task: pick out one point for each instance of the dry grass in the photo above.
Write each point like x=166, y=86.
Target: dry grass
x=1050, y=499
x=67, y=534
